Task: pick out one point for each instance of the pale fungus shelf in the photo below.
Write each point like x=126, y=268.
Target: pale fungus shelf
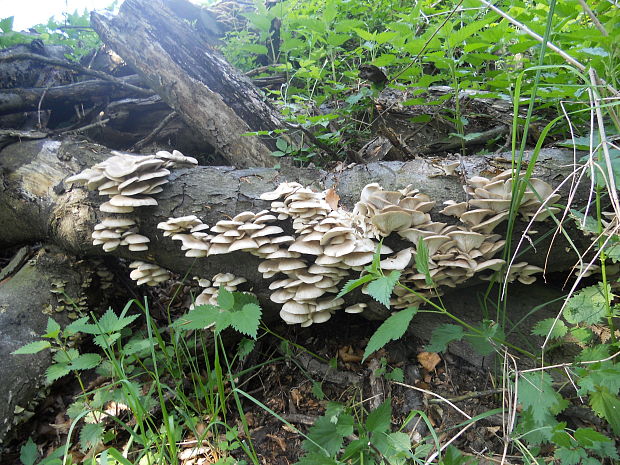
x=130, y=181
x=328, y=243
x=148, y=273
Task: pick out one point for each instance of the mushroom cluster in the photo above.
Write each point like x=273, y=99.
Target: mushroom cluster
x=385, y=212
x=130, y=181
x=209, y=294
x=325, y=242
x=114, y=232
x=148, y=273
x=191, y=231
x=490, y=199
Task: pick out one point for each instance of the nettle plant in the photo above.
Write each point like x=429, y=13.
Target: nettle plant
x=147, y=399
x=469, y=45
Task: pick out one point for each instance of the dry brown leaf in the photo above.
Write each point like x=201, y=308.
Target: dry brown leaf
x=429, y=360
x=296, y=396
x=332, y=198
x=280, y=441
x=347, y=355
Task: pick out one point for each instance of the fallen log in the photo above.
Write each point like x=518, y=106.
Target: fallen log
x=177, y=61
x=91, y=92
x=37, y=205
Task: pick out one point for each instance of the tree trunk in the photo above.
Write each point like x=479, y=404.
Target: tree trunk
x=178, y=63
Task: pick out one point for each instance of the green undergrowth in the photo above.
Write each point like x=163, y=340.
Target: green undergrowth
x=463, y=44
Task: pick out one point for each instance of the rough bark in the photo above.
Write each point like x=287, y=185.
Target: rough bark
x=158, y=40
x=43, y=98
x=24, y=313
x=35, y=205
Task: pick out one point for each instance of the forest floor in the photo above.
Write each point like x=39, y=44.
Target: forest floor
x=297, y=387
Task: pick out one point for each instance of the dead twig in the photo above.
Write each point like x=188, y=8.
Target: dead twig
x=150, y=136
x=77, y=68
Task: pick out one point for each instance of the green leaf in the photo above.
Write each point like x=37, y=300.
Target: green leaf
x=354, y=283
x=53, y=329
x=570, y=456
x=85, y=362
x=110, y=323
x=317, y=458
x=422, y=260
x=200, y=317
x=245, y=347
x=453, y=456
x=56, y=371
x=317, y=390
x=90, y=435
x=329, y=430
x=589, y=305
x=225, y=299
x=6, y=24
x=66, y=356
x=246, y=320
x=555, y=329
x=607, y=406
x=282, y=145
x=28, y=454
x=536, y=394
x=381, y=288
x=484, y=343
x=391, y=329
x=80, y=326
x=443, y=335
x=32, y=348
x=396, y=374
x=380, y=419
x=106, y=340
x=586, y=437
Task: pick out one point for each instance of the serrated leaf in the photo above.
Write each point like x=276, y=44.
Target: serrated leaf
x=200, y=317
x=28, y=454
x=586, y=437
x=242, y=298
x=106, y=340
x=53, y=329
x=90, y=435
x=589, y=305
x=135, y=346
x=484, y=343
x=422, y=260
x=66, y=356
x=245, y=347
x=442, y=336
x=381, y=288
x=607, y=406
x=317, y=390
x=56, y=371
x=391, y=329
x=355, y=283
x=570, y=456
x=85, y=362
x=81, y=326
x=32, y=348
x=549, y=326
x=537, y=396
x=246, y=320
x=329, y=431
x=380, y=419
x=225, y=299
x=110, y=322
